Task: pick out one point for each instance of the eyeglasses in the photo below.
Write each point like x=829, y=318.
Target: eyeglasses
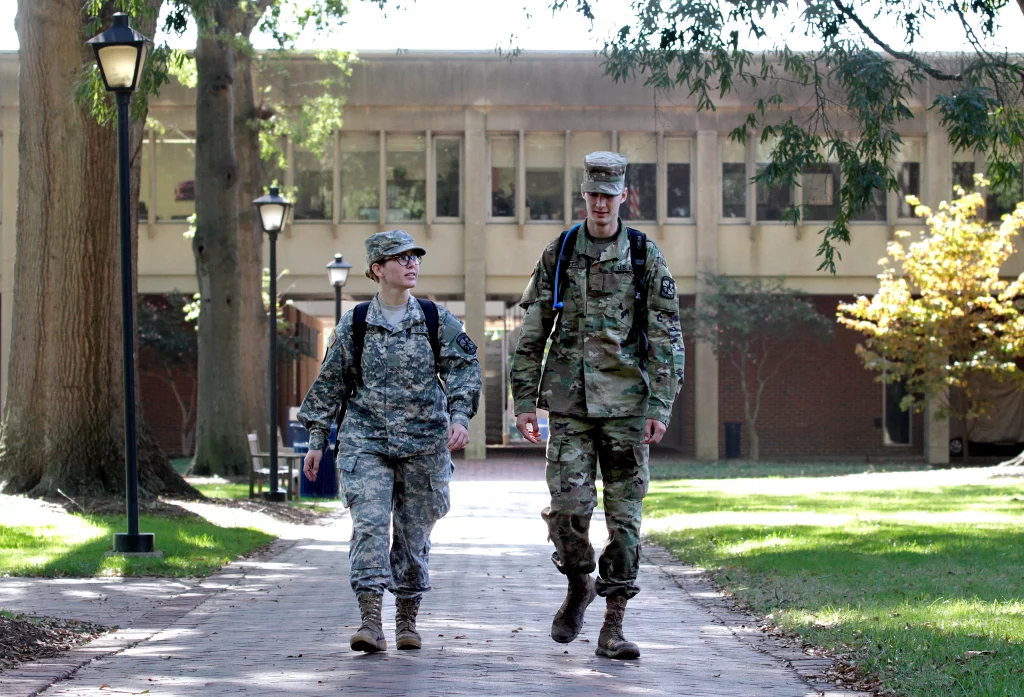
x=406, y=260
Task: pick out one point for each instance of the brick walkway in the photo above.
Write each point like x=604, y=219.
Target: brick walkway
x=280, y=626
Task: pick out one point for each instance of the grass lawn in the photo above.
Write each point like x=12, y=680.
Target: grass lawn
x=75, y=546
x=909, y=573
x=225, y=490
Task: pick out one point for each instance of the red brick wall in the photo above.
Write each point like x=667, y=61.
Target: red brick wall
x=822, y=403
x=159, y=406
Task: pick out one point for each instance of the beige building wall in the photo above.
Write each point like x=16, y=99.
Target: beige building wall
x=475, y=97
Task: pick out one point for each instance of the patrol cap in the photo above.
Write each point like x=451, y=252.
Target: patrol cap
x=604, y=173
x=388, y=244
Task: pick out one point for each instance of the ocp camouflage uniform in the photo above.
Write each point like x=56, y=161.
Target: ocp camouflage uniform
x=599, y=397
x=393, y=440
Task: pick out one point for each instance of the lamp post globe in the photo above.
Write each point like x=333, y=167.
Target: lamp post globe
x=337, y=272
x=272, y=211
x=120, y=53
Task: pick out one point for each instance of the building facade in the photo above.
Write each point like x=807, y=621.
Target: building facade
x=480, y=158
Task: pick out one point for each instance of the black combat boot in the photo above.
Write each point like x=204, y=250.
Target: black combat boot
x=569, y=618
x=370, y=637
x=611, y=643
x=406, y=636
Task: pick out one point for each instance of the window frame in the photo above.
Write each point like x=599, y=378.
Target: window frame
x=896, y=202
x=432, y=216
x=750, y=191
x=660, y=182
x=663, y=184
x=339, y=215
x=387, y=220
x=516, y=141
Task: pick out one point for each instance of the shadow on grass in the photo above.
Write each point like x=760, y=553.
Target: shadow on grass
x=664, y=468
x=190, y=547
x=909, y=601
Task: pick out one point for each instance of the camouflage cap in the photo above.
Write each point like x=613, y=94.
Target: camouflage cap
x=389, y=244
x=604, y=173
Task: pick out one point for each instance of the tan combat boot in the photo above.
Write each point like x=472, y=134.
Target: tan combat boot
x=611, y=642
x=569, y=619
x=370, y=637
x=406, y=636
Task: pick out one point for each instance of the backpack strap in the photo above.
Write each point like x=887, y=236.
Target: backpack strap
x=566, y=247
x=433, y=318
x=638, y=261
x=359, y=337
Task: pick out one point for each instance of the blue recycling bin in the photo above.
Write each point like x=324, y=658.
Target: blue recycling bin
x=326, y=484
x=733, y=443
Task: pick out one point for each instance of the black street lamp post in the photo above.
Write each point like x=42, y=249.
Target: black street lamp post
x=337, y=272
x=120, y=52
x=272, y=210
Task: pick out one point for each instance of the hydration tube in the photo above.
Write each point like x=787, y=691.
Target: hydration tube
x=556, y=303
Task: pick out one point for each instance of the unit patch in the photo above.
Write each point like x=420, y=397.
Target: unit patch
x=466, y=344
x=668, y=288
x=334, y=337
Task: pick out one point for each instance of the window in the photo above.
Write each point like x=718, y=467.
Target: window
x=447, y=176
x=821, y=184
x=734, y=179
x=642, y=176
x=545, y=164
x=145, y=180
x=314, y=184
x=581, y=145
x=407, y=177
x=963, y=171
x=896, y=421
x=1002, y=198
x=909, y=177
x=176, y=176
x=503, y=177
x=772, y=199
x=360, y=176
x=677, y=151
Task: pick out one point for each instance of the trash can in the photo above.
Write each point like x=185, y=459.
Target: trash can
x=733, y=430
x=326, y=484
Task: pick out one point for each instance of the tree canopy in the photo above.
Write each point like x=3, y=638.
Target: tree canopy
x=943, y=316
x=842, y=100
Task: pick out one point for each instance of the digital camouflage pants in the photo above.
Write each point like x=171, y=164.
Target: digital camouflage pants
x=575, y=447
x=408, y=494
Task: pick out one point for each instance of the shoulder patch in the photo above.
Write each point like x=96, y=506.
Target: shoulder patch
x=450, y=328
x=466, y=344
x=668, y=288
x=333, y=339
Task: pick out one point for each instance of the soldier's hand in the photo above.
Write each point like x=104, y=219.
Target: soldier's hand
x=311, y=464
x=528, y=426
x=653, y=431
x=458, y=436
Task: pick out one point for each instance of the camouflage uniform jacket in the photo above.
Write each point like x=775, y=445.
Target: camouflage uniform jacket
x=588, y=371
x=398, y=408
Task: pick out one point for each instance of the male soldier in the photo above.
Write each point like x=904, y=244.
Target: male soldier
x=398, y=429
x=612, y=372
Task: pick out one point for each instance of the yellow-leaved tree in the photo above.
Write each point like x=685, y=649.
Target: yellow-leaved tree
x=944, y=321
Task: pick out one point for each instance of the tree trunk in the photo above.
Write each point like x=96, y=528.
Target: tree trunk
x=220, y=438
x=63, y=417
x=253, y=322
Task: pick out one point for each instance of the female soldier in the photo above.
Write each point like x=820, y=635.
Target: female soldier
x=398, y=428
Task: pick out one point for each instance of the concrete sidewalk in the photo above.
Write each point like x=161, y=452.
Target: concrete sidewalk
x=280, y=625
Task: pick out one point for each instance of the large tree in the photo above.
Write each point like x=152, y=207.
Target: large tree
x=846, y=96
x=63, y=416
x=944, y=322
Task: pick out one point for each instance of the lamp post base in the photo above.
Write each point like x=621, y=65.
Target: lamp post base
x=279, y=496
x=140, y=543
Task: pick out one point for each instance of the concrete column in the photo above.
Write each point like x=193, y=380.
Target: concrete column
x=937, y=186
x=474, y=261
x=936, y=434
x=8, y=230
x=707, y=185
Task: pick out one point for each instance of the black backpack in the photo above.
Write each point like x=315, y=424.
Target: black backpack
x=433, y=319
x=637, y=260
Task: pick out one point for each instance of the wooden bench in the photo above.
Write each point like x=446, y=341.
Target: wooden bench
x=260, y=471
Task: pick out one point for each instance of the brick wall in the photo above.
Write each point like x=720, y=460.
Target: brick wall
x=159, y=406
x=822, y=403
